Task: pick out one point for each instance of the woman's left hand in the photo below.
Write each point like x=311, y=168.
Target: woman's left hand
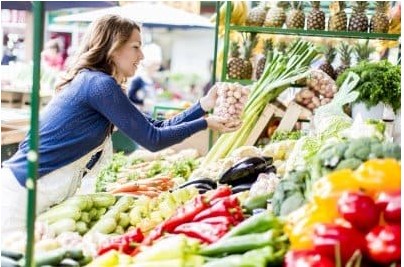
x=208, y=101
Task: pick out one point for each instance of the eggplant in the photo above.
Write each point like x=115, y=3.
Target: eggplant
x=202, y=186
x=270, y=169
x=245, y=171
x=241, y=188
x=206, y=181
x=269, y=160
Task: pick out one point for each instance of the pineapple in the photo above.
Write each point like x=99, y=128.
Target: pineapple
x=363, y=51
x=316, y=17
x=249, y=44
x=296, y=16
x=256, y=16
x=329, y=53
x=338, y=19
x=344, y=51
x=276, y=15
x=268, y=53
x=235, y=63
x=359, y=21
x=281, y=46
x=380, y=20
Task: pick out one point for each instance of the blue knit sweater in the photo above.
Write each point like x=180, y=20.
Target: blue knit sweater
x=79, y=118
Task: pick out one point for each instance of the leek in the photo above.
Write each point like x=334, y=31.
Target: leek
x=277, y=77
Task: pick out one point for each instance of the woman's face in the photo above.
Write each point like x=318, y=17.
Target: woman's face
x=128, y=57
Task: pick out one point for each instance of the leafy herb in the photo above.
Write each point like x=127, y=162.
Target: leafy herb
x=379, y=82
x=285, y=135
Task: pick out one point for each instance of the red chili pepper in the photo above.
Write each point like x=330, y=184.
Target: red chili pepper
x=328, y=236
x=123, y=243
x=225, y=220
x=224, y=207
x=186, y=213
x=205, y=232
x=359, y=209
x=221, y=191
x=307, y=258
x=384, y=244
x=390, y=205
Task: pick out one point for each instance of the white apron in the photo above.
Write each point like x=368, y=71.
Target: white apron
x=52, y=189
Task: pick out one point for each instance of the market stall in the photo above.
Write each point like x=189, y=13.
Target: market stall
x=304, y=181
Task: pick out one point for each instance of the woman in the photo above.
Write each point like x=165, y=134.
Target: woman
x=75, y=127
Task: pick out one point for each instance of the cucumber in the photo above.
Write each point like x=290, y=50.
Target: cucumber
x=256, y=202
x=11, y=254
x=103, y=200
x=64, y=225
x=60, y=212
x=123, y=204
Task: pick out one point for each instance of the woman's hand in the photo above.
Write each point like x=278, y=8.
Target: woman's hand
x=217, y=123
x=208, y=101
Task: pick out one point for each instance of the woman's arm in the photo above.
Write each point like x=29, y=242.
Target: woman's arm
x=106, y=96
x=192, y=113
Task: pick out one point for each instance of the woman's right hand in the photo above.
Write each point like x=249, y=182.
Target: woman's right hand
x=217, y=123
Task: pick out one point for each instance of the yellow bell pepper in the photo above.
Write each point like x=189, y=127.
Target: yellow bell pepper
x=377, y=175
x=300, y=223
x=334, y=184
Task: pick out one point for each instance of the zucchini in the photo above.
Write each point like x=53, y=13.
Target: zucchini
x=81, y=227
x=85, y=217
x=50, y=258
x=240, y=188
x=100, y=212
x=75, y=254
x=83, y=202
x=86, y=260
x=11, y=254
x=60, y=212
x=105, y=226
x=69, y=263
x=8, y=262
x=64, y=225
x=256, y=202
x=103, y=200
x=123, y=204
x=124, y=220
x=93, y=213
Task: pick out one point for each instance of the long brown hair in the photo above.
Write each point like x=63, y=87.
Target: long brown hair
x=103, y=37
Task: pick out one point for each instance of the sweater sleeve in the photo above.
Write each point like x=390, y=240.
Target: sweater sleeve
x=107, y=97
x=192, y=113
x=134, y=87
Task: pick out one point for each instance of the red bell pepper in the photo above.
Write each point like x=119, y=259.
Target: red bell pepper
x=328, y=236
x=125, y=243
x=390, y=204
x=306, y=258
x=384, y=244
x=359, y=209
x=205, y=232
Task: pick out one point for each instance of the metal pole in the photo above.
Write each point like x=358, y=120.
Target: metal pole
x=32, y=157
